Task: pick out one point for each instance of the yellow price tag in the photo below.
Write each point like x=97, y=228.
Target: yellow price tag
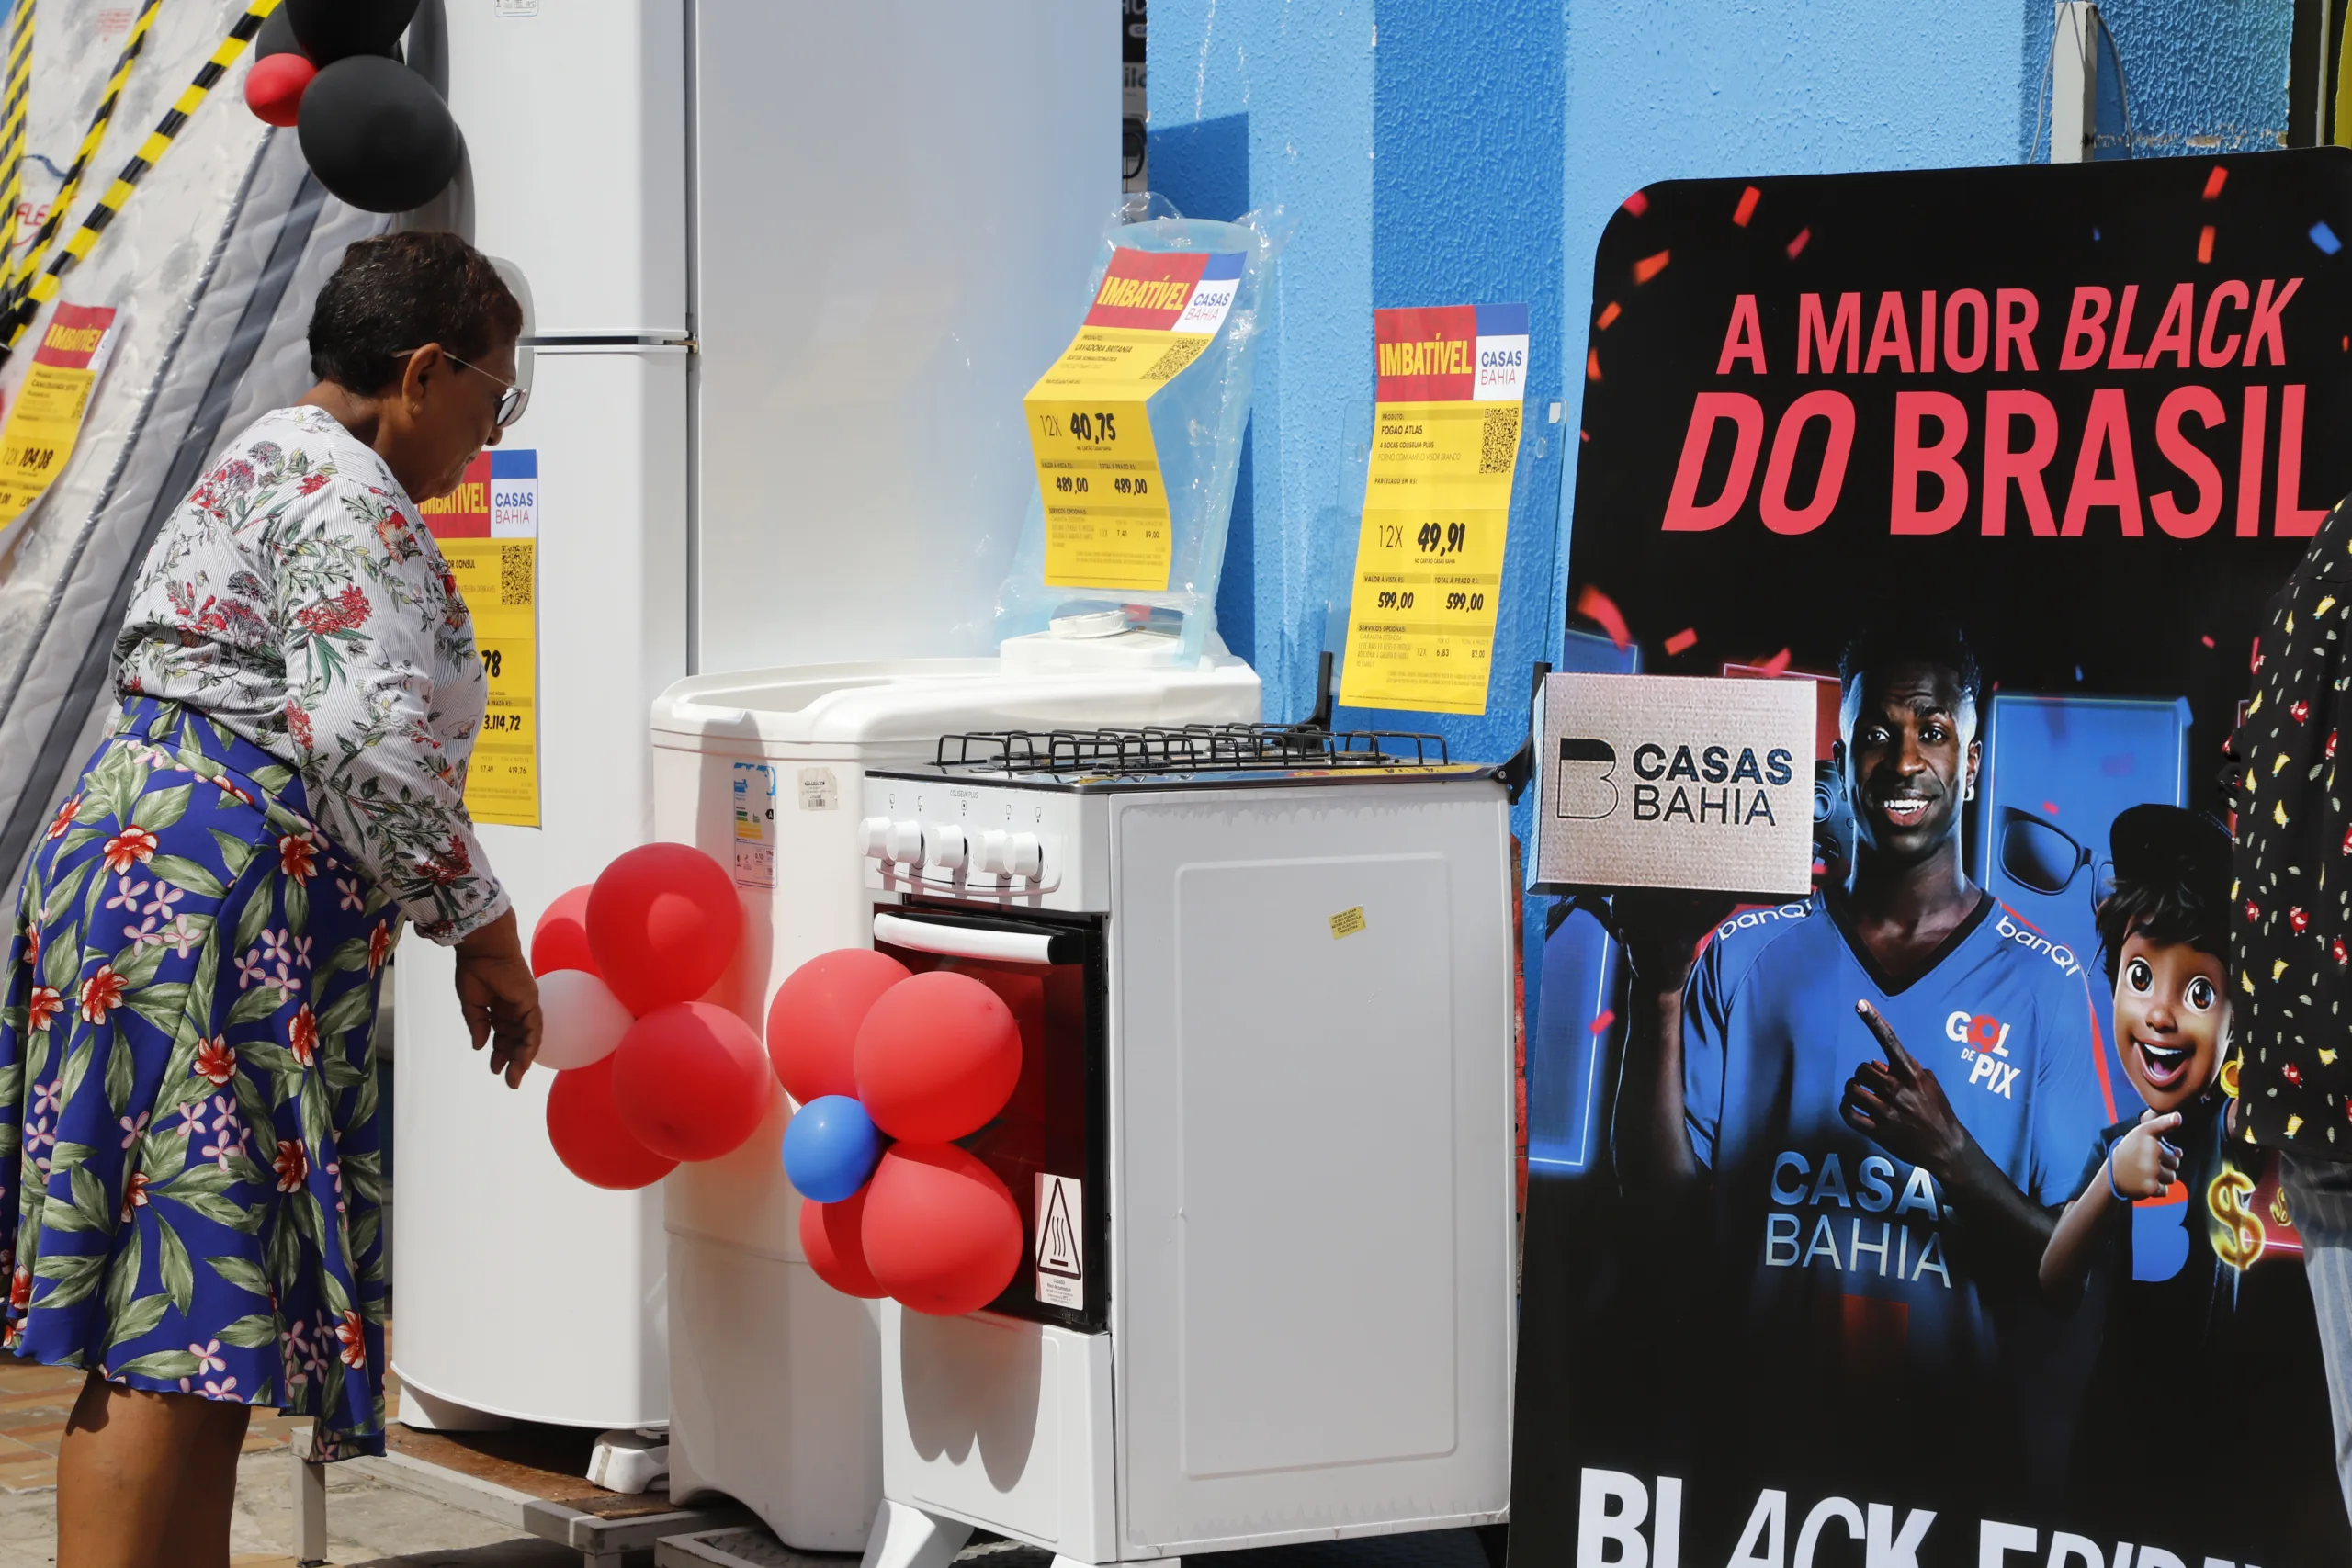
x=46, y=421
x=1107, y=523
x=487, y=530
x=1437, y=508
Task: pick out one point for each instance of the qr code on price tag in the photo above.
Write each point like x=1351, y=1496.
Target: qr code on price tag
x=515, y=574
x=1498, y=443
x=1178, y=355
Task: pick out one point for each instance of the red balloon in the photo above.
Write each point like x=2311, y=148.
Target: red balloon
x=941, y=1234
x=832, y=1235
x=559, y=940
x=662, y=923
x=691, y=1080
x=938, y=1057
x=585, y=1125
x=274, y=87
x=812, y=1022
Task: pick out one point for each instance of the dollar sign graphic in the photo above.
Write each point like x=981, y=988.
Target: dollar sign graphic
x=2238, y=1241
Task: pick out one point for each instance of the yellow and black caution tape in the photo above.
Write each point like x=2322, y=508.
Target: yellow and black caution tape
x=22, y=271
x=15, y=103
x=27, y=303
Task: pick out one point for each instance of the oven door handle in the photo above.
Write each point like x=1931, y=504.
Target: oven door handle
x=977, y=942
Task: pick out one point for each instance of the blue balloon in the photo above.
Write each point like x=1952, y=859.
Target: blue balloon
x=831, y=1147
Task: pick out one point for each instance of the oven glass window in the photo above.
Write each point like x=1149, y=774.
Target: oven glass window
x=1045, y=1145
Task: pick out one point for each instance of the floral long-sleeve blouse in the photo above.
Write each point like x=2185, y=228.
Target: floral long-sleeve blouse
x=297, y=598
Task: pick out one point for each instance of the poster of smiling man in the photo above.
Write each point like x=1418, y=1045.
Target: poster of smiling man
x=1911, y=1221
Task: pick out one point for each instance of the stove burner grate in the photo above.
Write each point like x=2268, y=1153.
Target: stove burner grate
x=1192, y=748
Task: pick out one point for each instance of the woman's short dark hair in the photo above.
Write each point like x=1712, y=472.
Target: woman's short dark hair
x=396, y=293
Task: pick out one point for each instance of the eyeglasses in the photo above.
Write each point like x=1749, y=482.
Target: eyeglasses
x=511, y=402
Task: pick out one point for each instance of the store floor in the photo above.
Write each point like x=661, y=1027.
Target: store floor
x=368, y=1522
x=373, y=1524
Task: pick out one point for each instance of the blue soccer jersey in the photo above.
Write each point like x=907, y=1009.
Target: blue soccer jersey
x=1817, y=1224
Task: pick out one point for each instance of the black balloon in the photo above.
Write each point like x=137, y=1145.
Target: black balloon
x=277, y=36
x=378, y=136
x=329, y=31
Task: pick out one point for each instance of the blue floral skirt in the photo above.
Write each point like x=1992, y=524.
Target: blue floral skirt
x=191, y=1170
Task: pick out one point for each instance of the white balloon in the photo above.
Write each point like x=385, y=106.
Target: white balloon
x=581, y=1020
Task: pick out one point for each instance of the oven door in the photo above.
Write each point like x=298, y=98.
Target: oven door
x=1048, y=1145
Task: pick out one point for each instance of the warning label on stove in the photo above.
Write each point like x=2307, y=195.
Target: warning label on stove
x=1061, y=1257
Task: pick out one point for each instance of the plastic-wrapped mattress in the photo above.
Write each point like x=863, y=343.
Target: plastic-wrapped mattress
x=212, y=266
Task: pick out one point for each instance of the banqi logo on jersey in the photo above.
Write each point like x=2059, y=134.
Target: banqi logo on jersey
x=1984, y=1047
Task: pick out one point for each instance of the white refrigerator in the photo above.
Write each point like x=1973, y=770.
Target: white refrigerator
x=793, y=264
x=518, y=1291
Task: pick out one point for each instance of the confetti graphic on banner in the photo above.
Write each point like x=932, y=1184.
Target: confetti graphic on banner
x=1599, y=608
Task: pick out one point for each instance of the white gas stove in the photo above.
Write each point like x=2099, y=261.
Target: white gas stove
x=1021, y=818
x=1266, y=1115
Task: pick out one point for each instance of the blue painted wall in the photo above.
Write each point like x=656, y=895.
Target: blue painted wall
x=2201, y=76
x=1257, y=104
x=1442, y=151
x=1480, y=91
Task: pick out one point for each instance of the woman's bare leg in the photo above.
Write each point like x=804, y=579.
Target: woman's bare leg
x=145, y=1480
x=208, y=1492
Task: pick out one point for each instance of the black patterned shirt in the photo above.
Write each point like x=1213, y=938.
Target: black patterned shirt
x=2291, y=925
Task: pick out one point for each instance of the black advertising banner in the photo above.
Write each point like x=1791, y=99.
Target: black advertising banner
x=1912, y=1224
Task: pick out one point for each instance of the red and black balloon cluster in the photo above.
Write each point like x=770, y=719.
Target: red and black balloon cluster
x=374, y=131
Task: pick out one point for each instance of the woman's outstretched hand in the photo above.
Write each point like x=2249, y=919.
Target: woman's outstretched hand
x=500, y=998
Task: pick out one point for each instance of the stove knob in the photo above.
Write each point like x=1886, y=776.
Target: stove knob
x=875, y=833
x=990, y=859
x=903, y=842
x=949, y=849
x=1024, y=857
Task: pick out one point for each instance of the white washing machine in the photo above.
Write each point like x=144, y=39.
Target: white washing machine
x=774, y=1377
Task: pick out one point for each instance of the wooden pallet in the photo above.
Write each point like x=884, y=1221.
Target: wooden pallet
x=529, y=1477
